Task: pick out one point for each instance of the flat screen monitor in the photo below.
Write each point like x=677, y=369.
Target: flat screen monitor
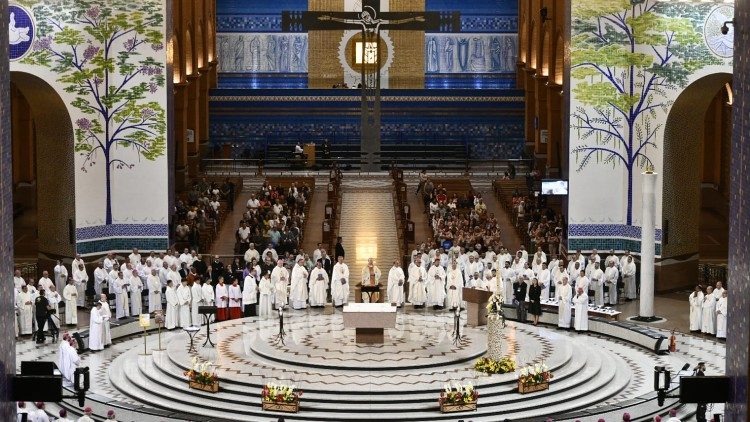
x=554, y=187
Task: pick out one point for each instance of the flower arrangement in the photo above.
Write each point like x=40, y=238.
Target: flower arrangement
x=280, y=393
x=534, y=374
x=201, y=373
x=491, y=366
x=495, y=303
x=458, y=394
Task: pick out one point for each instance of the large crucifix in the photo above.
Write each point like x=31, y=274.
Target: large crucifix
x=370, y=22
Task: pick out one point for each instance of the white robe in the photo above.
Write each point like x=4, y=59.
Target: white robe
x=196, y=300
x=266, y=295
x=235, y=296
x=106, y=314
x=25, y=305
x=171, y=315
x=455, y=288
x=298, y=292
x=708, y=314
x=721, y=318
x=280, y=283
x=610, y=279
x=340, y=284
x=183, y=300
x=45, y=283
x=122, y=304
x=417, y=286
x=366, y=274
x=61, y=277
x=628, y=277
x=249, y=291
x=436, y=286
x=221, y=295
x=136, y=299
x=54, y=301
x=70, y=294
x=581, y=304
x=100, y=279
x=597, y=285
x=63, y=361
x=318, y=284
x=395, y=292
x=154, y=293
x=81, y=279
x=696, y=305
x=544, y=279
x=96, y=330
x=209, y=296
x=508, y=275
x=563, y=307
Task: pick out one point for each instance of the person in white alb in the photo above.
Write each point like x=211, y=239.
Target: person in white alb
x=436, y=285
x=628, y=278
x=721, y=316
x=136, y=295
x=250, y=294
x=81, y=279
x=280, y=282
x=508, y=275
x=396, y=280
x=171, y=316
x=543, y=277
x=196, y=300
x=564, y=296
x=340, y=283
x=122, y=302
x=708, y=312
x=183, y=300
x=61, y=275
x=266, y=296
x=106, y=314
x=455, y=286
x=70, y=295
x=610, y=280
x=134, y=258
x=417, y=280
x=100, y=279
x=597, y=284
x=298, y=290
x=696, y=309
x=154, y=291
x=18, y=281
x=45, y=282
x=581, y=305
x=318, y=285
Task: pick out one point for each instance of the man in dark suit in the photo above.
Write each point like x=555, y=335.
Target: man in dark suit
x=519, y=298
x=339, y=249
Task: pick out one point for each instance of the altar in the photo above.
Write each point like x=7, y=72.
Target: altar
x=369, y=320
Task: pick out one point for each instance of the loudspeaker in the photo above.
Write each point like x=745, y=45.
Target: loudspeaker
x=714, y=389
x=71, y=231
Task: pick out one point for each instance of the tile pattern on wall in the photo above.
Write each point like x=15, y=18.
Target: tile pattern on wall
x=738, y=348
x=7, y=347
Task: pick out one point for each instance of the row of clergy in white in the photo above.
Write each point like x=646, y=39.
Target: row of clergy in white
x=507, y=267
x=436, y=284
x=708, y=312
x=25, y=311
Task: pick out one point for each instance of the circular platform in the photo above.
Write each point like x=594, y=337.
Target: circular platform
x=400, y=379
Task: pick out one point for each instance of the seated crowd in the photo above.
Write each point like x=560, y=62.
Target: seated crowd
x=200, y=211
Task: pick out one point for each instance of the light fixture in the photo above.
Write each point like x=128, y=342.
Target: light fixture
x=725, y=28
x=730, y=93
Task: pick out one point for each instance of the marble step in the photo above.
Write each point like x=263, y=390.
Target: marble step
x=310, y=407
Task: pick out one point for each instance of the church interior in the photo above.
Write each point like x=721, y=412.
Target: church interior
x=357, y=210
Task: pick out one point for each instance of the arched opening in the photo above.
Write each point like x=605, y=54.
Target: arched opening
x=199, y=47
x=43, y=171
x=534, y=46
x=523, y=43
x=188, y=53
x=697, y=151
x=176, y=60
x=559, y=61
x=210, y=41
x=546, y=53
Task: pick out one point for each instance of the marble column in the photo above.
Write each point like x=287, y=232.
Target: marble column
x=8, y=346
x=648, y=245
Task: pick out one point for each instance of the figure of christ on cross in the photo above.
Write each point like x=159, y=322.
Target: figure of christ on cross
x=371, y=24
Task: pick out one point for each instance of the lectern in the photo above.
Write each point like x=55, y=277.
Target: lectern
x=477, y=306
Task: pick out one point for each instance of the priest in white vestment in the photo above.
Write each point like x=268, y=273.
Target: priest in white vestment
x=18, y=281
x=396, y=279
x=154, y=291
x=318, y=285
x=100, y=279
x=81, y=279
x=543, y=277
x=54, y=300
x=45, y=282
x=136, y=295
x=70, y=295
x=610, y=280
x=183, y=300
x=581, y=305
x=265, y=287
x=417, y=287
x=436, y=285
x=25, y=305
x=564, y=296
x=106, y=314
x=508, y=275
x=61, y=275
x=95, y=328
x=708, y=312
x=597, y=284
x=235, y=300
x=370, y=273
x=628, y=278
x=721, y=316
x=280, y=282
x=122, y=304
x=455, y=286
x=696, y=309
x=250, y=294
x=340, y=283
x=171, y=316
x=196, y=300
x=222, y=300
x=299, y=291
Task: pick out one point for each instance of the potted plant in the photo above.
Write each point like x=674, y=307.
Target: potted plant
x=491, y=366
x=458, y=398
x=201, y=376
x=280, y=398
x=534, y=378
